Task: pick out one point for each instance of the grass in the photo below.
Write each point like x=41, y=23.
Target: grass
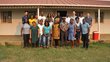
x=96, y=53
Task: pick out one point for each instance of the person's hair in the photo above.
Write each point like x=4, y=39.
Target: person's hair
x=49, y=16
x=33, y=22
x=77, y=18
x=47, y=23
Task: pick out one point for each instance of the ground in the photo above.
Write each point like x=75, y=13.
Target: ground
x=97, y=52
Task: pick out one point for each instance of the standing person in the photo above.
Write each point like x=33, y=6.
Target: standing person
x=71, y=32
x=49, y=17
x=74, y=16
x=32, y=19
x=46, y=34
x=85, y=29
x=42, y=17
x=40, y=25
x=25, y=31
x=78, y=30
x=88, y=19
x=34, y=34
x=25, y=17
x=64, y=28
x=56, y=33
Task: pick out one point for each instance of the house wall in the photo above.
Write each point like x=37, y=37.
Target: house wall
x=15, y=27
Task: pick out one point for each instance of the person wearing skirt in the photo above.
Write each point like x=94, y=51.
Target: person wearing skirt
x=71, y=32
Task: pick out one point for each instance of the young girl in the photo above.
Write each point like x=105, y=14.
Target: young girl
x=71, y=32
x=56, y=33
x=34, y=33
x=40, y=25
x=46, y=34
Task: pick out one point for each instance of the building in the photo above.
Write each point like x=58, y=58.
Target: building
x=11, y=12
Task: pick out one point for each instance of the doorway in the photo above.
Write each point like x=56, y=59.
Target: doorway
x=62, y=13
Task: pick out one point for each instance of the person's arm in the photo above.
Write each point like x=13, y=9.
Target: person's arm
x=74, y=30
x=21, y=31
x=30, y=33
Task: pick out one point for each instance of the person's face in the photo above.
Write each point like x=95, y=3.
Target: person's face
x=46, y=23
x=32, y=16
x=71, y=21
x=58, y=14
x=74, y=12
x=88, y=14
x=36, y=17
x=41, y=13
x=77, y=21
x=64, y=20
x=81, y=15
x=26, y=13
x=34, y=23
x=41, y=22
x=83, y=21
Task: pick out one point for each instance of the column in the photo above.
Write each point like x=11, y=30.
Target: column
x=99, y=22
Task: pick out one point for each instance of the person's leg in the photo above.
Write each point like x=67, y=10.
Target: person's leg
x=62, y=38
x=24, y=38
x=28, y=36
x=44, y=41
x=72, y=44
x=83, y=39
x=65, y=38
x=87, y=41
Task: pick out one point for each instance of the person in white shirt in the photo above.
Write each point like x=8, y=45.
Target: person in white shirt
x=74, y=16
x=40, y=25
x=25, y=32
x=42, y=17
x=67, y=19
x=81, y=18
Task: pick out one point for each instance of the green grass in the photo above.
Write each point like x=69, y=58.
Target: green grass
x=96, y=53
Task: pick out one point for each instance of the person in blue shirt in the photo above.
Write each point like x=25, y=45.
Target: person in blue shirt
x=46, y=34
x=85, y=29
x=25, y=17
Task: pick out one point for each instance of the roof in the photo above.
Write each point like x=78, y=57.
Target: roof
x=90, y=3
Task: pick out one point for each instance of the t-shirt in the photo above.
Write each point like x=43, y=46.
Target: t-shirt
x=68, y=20
x=41, y=28
x=64, y=26
x=26, y=28
x=88, y=20
x=31, y=20
x=47, y=29
x=51, y=24
x=85, y=28
x=81, y=19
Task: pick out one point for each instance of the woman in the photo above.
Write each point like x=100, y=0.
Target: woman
x=46, y=33
x=56, y=33
x=25, y=31
x=32, y=19
x=78, y=29
x=71, y=32
x=34, y=34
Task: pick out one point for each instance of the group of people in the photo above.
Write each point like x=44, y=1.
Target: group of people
x=55, y=31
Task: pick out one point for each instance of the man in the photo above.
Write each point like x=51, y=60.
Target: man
x=88, y=19
x=58, y=18
x=25, y=17
x=42, y=17
x=74, y=16
x=85, y=29
x=63, y=27
x=67, y=19
x=81, y=18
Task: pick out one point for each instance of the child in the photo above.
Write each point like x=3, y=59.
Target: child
x=71, y=32
x=85, y=29
x=64, y=28
x=40, y=25
x=46, y=34
x=78, y=27
x=34, y=33
x=56, y=33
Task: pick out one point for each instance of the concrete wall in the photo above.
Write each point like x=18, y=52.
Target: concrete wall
x=15, y=27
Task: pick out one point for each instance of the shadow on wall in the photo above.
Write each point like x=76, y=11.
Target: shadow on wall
x=18, y=29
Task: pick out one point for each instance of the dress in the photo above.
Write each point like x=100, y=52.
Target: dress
x=71, y=32
x=56, y=32
x=34, y=34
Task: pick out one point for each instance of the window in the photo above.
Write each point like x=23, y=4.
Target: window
x=101, y=17
x=6, y=17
